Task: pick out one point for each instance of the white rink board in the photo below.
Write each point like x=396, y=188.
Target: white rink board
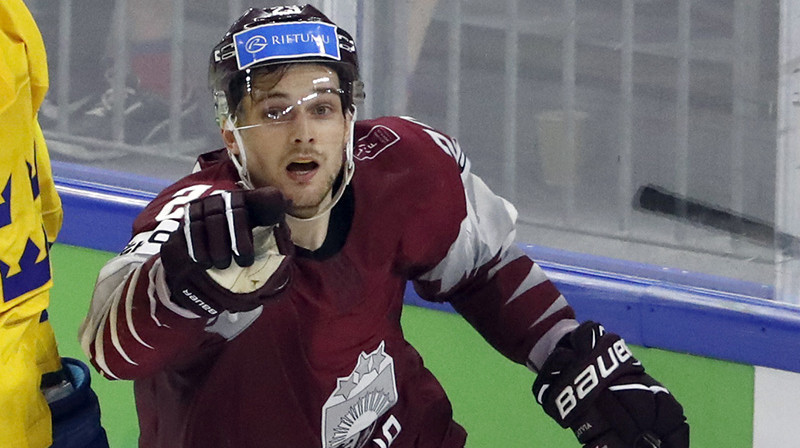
x=776, y=408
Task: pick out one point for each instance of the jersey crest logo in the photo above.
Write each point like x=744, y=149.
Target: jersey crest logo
x=375, y=142
x=359, y=400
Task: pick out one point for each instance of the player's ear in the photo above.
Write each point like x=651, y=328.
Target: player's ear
x=229, y=139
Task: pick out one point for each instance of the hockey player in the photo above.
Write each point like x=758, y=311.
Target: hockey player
x=258, y=302
x=33, y=379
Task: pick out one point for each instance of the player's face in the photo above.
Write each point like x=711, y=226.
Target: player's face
x=294, y=131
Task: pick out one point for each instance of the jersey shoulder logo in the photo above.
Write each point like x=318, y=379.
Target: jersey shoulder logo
x=359, y=400
x=377, y=140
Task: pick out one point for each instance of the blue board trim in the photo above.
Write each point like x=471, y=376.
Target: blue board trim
x=648, y=305
x=98, y=216
x=106, y=179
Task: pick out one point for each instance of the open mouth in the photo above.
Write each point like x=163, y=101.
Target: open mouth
x=302, y=167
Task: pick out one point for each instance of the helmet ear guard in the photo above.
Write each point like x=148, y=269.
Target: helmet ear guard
x=357, y=95
x=221, y=111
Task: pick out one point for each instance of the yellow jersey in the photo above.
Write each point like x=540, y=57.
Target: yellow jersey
x=30, y=209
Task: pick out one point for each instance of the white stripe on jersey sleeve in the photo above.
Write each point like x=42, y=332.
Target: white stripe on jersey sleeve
x=535, y=277
x=107, y=289
x=560, y=303
x=100, y=358
x=112, y=317
x=154, y=288
x=510, y=255
x=548, y=341
x=110, y=290
x=129, y=308
x=487, y=230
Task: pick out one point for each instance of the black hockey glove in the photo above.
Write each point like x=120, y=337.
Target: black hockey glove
x=218, y=228
x=592, y=384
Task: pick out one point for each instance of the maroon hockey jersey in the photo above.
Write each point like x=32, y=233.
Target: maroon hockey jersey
x=326, y=364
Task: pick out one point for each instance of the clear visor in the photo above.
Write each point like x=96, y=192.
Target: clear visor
x=277, y=107
x=273, y=102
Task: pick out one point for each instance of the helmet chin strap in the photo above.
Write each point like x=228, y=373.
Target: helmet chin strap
x=240, y=162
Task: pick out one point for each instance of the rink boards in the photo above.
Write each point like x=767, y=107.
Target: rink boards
x=705, y=335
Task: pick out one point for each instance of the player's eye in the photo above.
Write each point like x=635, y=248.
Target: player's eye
x=322, y=109
x=276, y=113
x=325, y=104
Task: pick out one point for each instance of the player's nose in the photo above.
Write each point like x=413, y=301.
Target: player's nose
x=302, y=129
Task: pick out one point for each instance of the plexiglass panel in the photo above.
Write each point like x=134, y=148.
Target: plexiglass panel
x=570, y=108
x=567, y=108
